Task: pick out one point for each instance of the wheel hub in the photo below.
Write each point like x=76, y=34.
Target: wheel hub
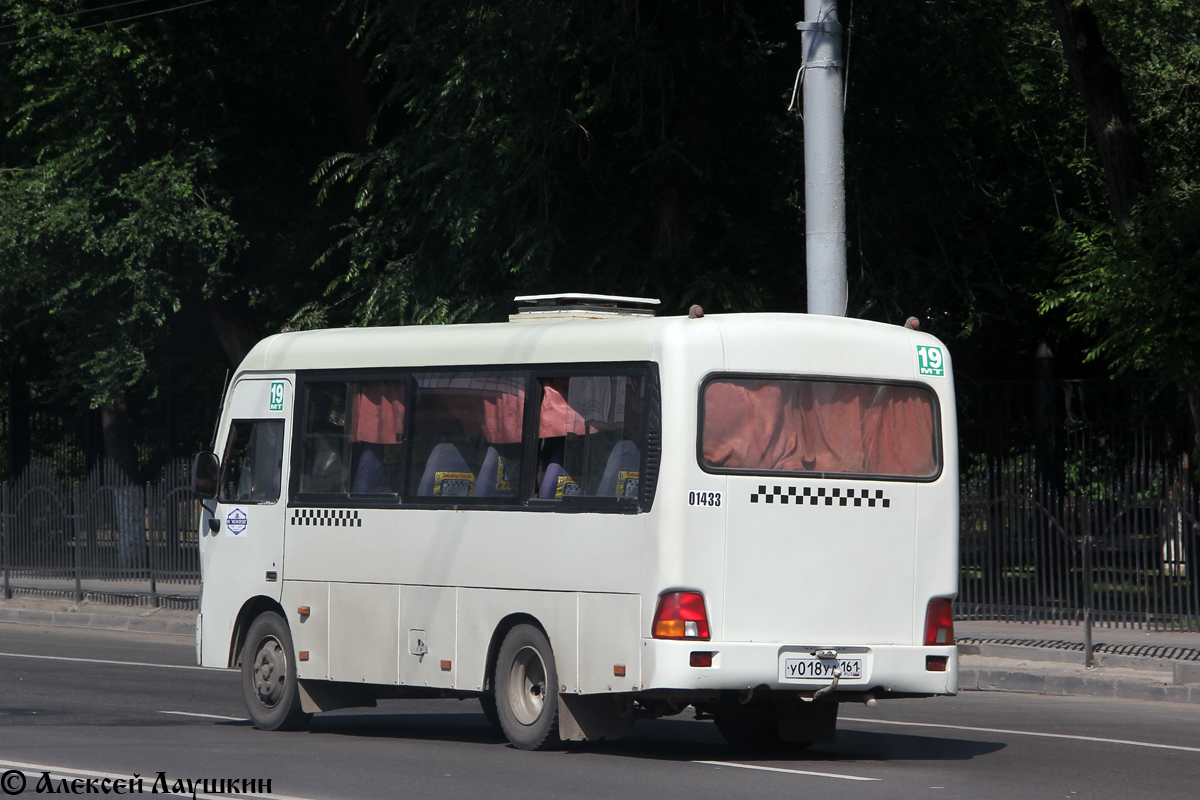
x=270, y=671
x=527, y=686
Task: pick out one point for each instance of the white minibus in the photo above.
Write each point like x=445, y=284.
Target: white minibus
x=586, y=516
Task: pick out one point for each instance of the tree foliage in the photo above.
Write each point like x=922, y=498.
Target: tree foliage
x=1137, y=298
x=625, y=147
x=151, y=174
x=1130, y=280
x=175, y=186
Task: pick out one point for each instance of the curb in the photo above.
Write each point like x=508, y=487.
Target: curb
x=1050, y=657
x=100, y=622
x=1076, y=685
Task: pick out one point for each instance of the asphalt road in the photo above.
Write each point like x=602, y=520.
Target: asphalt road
x=67, y=706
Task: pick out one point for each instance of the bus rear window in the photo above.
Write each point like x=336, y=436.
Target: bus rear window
x=799, y=426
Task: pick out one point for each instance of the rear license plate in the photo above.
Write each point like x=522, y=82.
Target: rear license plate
x=807, y=668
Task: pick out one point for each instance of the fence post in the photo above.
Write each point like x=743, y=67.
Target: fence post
x=1088, y=598
x=6, y=532
x=147, y=504
x=76, y=528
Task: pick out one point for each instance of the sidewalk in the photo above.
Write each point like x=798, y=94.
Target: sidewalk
x=54, y=612
x=1048, y=659
x=116, y=593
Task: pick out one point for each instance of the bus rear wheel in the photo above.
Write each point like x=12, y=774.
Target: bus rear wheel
x=269, y=682
x=487, y=703
x=526, y=684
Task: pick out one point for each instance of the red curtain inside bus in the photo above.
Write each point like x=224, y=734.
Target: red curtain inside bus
x=558, y=418
x=588, y=404
x=378, y=415
x=819, y=426
x=491, y=405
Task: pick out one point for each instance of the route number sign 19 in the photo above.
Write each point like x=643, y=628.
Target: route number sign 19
x=929, y=361
x=277, y=395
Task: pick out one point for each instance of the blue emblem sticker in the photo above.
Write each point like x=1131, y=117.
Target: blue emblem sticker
x=236, y=523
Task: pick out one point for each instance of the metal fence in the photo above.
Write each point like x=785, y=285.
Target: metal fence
x=1120, y=548
x=1120, y=552
x=105, y=536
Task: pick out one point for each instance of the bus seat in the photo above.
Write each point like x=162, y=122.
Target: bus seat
x=370, y=477
x=621, y=473
x=446, y=474
x=486, y=485
x=558, y=484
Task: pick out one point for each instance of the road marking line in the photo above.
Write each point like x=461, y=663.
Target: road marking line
x=205, y=716
x=789, y=771
x=71, y=773
x=1072, y=736
x=118, y=663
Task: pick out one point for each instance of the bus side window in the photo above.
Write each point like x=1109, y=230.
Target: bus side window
x=377, y=436
x=591, y=437
x=466, y=435
x=253, y=464
x=325, y=460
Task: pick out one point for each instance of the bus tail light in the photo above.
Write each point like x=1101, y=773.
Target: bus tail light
x=939, y=622
x=681, y=615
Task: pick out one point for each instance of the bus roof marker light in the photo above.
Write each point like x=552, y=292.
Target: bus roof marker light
x=681, y=615
x=695, y=312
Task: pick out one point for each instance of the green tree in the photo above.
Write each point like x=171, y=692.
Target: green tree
x=1131, y=280
x=155, y=172
x=1138, y=297
x=645, y=147
x=624, y=147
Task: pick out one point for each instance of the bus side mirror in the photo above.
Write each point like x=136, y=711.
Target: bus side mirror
x=204, y=476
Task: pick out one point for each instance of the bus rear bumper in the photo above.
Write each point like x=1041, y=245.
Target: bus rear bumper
x=900, y=669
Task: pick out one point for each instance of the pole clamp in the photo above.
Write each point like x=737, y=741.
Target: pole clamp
x=829, y=26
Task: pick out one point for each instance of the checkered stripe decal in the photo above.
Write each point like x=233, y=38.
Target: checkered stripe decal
x=326, y=517
x=792, y=494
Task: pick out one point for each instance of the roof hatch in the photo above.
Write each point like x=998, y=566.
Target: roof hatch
x=574, y=305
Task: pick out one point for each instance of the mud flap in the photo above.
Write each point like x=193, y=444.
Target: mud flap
x=808, y=723
x=593, y=717
x=329, y=695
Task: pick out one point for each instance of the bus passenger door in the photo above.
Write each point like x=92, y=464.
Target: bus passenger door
x=242, y=550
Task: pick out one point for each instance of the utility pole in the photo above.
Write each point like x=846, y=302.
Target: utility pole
x=824, y=158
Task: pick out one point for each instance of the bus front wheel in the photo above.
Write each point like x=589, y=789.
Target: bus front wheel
x=269, y=682
x=527, y=689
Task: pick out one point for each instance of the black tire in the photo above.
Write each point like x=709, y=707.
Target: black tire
x=526, y=689
x=269, y=683
x=487, y=704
